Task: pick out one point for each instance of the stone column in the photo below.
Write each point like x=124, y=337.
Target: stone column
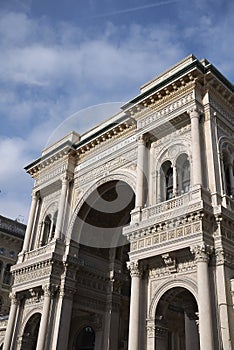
x=231, y=178
x=151, y=188
x=62, y=319
x=174, y=181
x=12, y=321
x=196, y=148
x=222, y=297
x=136, y=272
x=31, y=221
x=202, y=253
x=150, y=328
x=43, y=330
x=61, y=208
x=140, y=172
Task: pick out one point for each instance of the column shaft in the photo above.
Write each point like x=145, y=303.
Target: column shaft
x=62, y=320
x=61, y=208
x=196, y=148
x=231, y=178
x=174, y=181
x=31, y=220
x=42, y=335
x=204, y=302
x=140, y=173
x=134, y=317
x=11, y=324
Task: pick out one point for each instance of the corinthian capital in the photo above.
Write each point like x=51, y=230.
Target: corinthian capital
x=14, y=299
x=136, y=268
x=201, y=252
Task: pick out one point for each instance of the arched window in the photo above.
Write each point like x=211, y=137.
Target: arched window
x=1, y=268
x=85, y=339
x=186, y=176
x=183, y=174
x=228, y=173
x=48, y=228
x=7, y=274
x=166, y=182
x=169, y=183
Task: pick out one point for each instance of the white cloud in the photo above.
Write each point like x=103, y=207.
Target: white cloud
x=48, y=72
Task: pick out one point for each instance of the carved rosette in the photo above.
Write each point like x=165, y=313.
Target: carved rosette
x=136, y=268
x=202, y=252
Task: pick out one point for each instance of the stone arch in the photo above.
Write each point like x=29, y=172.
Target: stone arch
x=47, y=223
x=26, y=318
x=226, y=163
x=172, y=150
x=29, y=331
x=170, y=283
x=128, y=177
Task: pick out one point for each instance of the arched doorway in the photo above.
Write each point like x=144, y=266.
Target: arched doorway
x=176, y=321
x=85, y=339
x=98, y=231
x=101, y=218
x=29, y=338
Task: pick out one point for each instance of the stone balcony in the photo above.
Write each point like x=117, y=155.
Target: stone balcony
x=176, y=221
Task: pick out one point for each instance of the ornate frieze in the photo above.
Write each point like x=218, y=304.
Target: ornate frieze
x=115, y=163
x=33, y=272
x=149, y=237
x=170, y=108
x=50, y=174
x=112, y=150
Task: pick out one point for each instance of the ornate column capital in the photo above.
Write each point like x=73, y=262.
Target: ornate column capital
x=141, y=139
x=50, y=290
x=202, y=252
x=14, y=298
x=194, y=113
x=66, y=178
x=136, y=268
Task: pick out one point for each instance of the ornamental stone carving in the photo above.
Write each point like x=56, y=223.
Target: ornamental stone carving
x=136, y=268
x=202, y=252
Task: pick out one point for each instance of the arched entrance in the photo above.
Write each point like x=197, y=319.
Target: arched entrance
x=29, y=338
x=176, y=321
x=85, y=339
x=104, y=277
x=101, y=218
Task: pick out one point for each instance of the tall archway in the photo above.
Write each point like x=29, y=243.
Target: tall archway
x=30, y=335
x=176, y=321
x=101, y=218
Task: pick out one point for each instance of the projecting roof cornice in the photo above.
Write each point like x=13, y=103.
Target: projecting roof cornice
x=75, y=145
x=179, y=77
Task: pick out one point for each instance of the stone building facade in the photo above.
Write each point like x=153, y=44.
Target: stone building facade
x=130, y=237
x=11, y=242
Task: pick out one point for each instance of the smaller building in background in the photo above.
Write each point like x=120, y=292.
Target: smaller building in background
x=11, y=240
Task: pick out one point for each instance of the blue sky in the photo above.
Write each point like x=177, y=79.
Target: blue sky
x=59, y=57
